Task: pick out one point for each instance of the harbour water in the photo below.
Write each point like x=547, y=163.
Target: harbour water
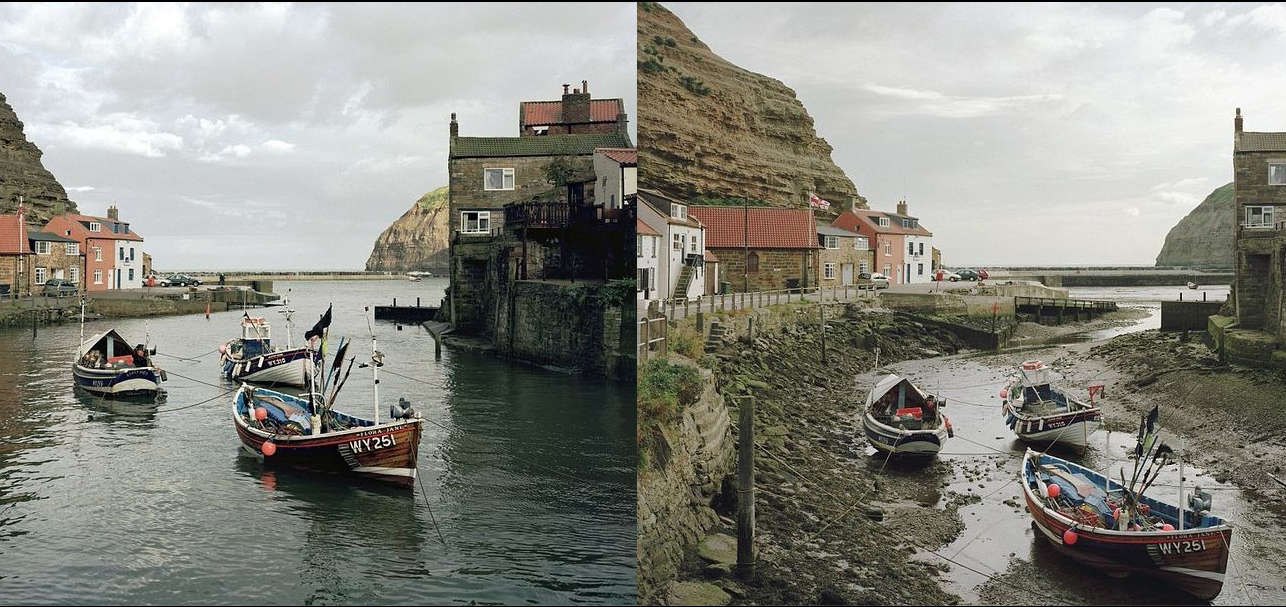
x=528, y=475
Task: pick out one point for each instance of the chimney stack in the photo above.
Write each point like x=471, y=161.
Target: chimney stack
x=1236, y=123
x=623, y=123
x=455, y=127
x=113, y=213
x=902, y=207
x=566, y=88
x=584, y=86
x=575, y=108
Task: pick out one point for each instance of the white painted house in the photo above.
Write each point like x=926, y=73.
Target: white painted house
x=617, y=175
x=648, y=252
x=681, y=267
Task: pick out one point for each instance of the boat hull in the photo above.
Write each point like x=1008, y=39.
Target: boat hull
x=144, y=381
x=387, y=453
x=923, y=443
x=1193, y=560
x=286, y=368
x=1067, y=429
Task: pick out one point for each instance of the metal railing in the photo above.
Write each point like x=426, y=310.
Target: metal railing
x=680, y=307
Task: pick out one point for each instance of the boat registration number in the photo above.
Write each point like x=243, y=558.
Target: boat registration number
x=371, y=444
x=1182, y=547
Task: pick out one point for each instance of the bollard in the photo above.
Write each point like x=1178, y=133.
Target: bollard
x=417, y=301
x=394, y=302
x=701, y=322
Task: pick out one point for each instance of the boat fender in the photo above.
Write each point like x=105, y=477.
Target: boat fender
x=269, y=448
x=1070, y=537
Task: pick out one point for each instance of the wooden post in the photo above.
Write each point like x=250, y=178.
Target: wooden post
x=746, y=489
x=647, y=337
x=701, y=321
x=751, y=337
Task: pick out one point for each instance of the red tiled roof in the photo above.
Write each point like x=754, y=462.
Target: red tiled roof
x=769, y=228
x=551, y=112
x=624, y=156
x=79, y=231
x=646, y=229
x=13, y=236
x=849, y=220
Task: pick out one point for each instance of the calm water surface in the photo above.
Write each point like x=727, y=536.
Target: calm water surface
x=530, y=478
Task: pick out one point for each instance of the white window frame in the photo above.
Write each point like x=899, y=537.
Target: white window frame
x=1266, y=216
x=1281, y=174
x=692, y=244
x=98, y=253
x=42, y=247
x=480, y=217
x=883, y=222
x=828, y=270
x=920, y=268
x=73, y=248
x=861, y=244
x=678, y=211
x=98, y=277
x=888, y=269
x=94, y=226
x=830, y=242
x=506, y=179
x=888, y=249
x=864, y=267
x=75, y=275
x=677, y=243
x=42, y=274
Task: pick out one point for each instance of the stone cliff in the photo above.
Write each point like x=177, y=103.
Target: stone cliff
x=1204, y=237
x=709, y=128
x=22, y=173
x=417, y=240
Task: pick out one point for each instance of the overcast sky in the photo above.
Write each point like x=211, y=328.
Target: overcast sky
x=285, y=136
x=1049, y=134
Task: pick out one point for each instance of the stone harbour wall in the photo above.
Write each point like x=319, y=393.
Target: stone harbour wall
x=676, y=499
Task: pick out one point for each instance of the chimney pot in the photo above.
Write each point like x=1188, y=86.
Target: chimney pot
x=1236, y=122
x=902, y=207
x=584, y=86
x=455, y=126
x=566, y=87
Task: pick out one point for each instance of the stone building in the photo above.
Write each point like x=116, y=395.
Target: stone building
x=575, y=113
x=781, y=252
x=843, y=256
x=1259, y=177
x=29, y=258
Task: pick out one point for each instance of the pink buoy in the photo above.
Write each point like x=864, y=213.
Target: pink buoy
x=269, y=448
x=1167, y=527
x=1004, y=393
x=223, y=348
x=1070, y=537
x=1055, y=490
x=261, y=414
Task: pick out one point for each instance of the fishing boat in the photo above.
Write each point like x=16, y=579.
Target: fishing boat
x=108, y=366
x=1192, y=285
x=900, y=419
x=307, y=432
x=1103, y=523
x=252, y=358
x=1039, y=412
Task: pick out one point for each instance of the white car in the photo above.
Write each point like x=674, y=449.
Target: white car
x=951, y=276
x=874, y=279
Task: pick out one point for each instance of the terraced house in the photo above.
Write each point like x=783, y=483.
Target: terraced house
x=113, y=252
x=903, y=249
x=29, y=258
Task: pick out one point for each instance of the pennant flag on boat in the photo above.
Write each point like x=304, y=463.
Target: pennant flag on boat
x=319, y=328
x=339, y=357
x=818, y=202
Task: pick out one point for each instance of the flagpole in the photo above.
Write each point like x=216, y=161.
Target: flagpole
x=745, y=243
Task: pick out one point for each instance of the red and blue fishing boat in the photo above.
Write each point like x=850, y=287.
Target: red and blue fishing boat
x=108, y=366
x=1100, y=522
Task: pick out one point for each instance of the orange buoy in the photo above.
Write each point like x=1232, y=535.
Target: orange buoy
x=1070, y=537
x=1055, y=490
x=1004, y=393
x=261, y=413
x=269, y=448
x=1167, y=527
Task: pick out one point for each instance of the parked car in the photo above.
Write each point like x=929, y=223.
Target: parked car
x=153, y=280
x=874, y=279
x=59, y=287
x=946, y=275
x=983, y=274
x=180, y=280
x=970, y=275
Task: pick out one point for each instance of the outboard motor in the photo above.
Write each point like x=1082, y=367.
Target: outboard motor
x=1199, y=503
x=402, y=410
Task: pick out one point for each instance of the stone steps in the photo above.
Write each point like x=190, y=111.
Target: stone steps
x=718, y=334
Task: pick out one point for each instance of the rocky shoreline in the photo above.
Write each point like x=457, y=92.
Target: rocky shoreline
x=820, y=489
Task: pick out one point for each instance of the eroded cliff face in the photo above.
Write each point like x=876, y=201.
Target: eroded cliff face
x=21, y=172
x=709, y=128
x=417, y=240
x=1204, y=237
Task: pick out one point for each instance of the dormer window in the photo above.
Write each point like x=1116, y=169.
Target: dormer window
x=678, y=211
x=830, y=242
x=884, y=222
x=94, y=226
x=1277, y=173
